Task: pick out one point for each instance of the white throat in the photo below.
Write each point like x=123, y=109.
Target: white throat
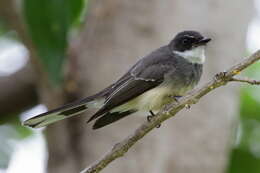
x=195, y=55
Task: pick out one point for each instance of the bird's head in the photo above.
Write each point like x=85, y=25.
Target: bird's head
x=190, y=45
x=188, y=40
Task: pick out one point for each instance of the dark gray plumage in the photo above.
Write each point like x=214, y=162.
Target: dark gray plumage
x=169, y=71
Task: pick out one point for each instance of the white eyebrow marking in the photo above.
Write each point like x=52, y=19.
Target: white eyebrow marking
x=189, y=36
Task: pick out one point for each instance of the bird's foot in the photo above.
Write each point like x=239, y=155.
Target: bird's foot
x=193, y=101
x=149, y=118
x=176, y=98
x=187, y=106
x=220, y=75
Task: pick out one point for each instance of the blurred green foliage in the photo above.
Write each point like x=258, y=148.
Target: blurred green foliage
x=10, y=125
x=3, y=28
x=49, y=23
x=245, y=157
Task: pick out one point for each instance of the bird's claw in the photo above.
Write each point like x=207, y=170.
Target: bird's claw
x=187, y=106
x=220, y=75
x=176, y=98
x=149, y=118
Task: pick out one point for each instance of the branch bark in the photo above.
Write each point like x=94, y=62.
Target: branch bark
x=221, y=79
x=245, y=80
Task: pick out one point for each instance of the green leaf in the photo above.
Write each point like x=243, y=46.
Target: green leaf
x=246, y=156
x=250, y=96
x=250, y=103
x=49, y=23
x=3, y=28
x=22, y=132
x=243, y=161
x=77, y=10
x=14, y=121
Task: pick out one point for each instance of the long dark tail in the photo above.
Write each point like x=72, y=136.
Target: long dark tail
x=61, y=113
x=109, y=118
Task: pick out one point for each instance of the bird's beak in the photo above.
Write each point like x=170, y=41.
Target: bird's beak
x=203, y=41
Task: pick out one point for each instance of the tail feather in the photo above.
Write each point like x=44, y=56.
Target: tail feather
x=109, y=118
x=60, y=113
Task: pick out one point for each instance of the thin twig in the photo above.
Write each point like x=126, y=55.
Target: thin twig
x=245, y=80
x=170, y=110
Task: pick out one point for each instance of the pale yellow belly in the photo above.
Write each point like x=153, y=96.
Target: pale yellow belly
x=153, y=99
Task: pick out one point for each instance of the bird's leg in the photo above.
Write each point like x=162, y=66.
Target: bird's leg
x=187, y=106
x=222, y=75
x=176, y=98
x=149, y=117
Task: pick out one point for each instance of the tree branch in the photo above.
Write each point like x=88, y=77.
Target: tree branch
x=245, y=80
x=169, y=111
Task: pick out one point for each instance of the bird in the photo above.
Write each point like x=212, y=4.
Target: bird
x=161, y=77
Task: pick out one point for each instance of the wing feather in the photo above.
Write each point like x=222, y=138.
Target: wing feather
x=146, y=74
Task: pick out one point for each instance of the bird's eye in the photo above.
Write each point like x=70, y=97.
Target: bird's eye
x=185, y=41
